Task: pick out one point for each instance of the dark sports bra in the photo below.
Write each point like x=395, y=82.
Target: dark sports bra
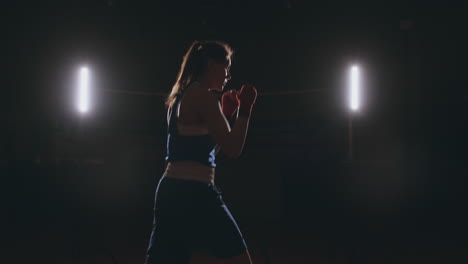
x=192, y=148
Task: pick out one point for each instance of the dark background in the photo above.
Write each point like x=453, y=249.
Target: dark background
x=80, y=189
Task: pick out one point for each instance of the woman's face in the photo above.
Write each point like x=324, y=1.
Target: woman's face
x=221, y=74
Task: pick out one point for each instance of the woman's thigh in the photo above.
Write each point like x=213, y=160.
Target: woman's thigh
x=219, y=232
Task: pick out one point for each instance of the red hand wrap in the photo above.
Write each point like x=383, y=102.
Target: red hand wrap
x=246, y=96
x=229, y=103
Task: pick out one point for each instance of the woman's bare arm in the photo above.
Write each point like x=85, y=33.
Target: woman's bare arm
x=230, y=141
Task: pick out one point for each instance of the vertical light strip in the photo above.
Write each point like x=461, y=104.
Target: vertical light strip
x=83, y=99
x=354, y=88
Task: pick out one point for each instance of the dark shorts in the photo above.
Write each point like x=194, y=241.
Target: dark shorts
x=191, y=216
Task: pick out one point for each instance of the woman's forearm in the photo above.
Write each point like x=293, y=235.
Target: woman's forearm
x=237, y=137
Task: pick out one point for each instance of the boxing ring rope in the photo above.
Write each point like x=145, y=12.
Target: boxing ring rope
x=161, y=94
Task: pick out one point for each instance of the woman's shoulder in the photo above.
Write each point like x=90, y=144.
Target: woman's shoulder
x=201, y=95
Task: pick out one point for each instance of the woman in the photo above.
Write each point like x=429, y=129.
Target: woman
x=189, y=213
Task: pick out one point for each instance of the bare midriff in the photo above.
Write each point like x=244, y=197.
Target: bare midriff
x=190, y=170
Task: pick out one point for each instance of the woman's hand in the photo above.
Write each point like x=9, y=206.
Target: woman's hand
x=246, y=97
x=229, y=103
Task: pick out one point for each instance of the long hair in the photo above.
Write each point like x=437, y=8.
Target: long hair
x=194, y=64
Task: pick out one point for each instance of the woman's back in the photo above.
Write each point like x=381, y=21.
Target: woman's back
x=190, y=147
x=189, y=121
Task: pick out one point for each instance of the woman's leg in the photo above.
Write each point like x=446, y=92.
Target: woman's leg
x=221, y=234
x=166, y=243
x=168, y=252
